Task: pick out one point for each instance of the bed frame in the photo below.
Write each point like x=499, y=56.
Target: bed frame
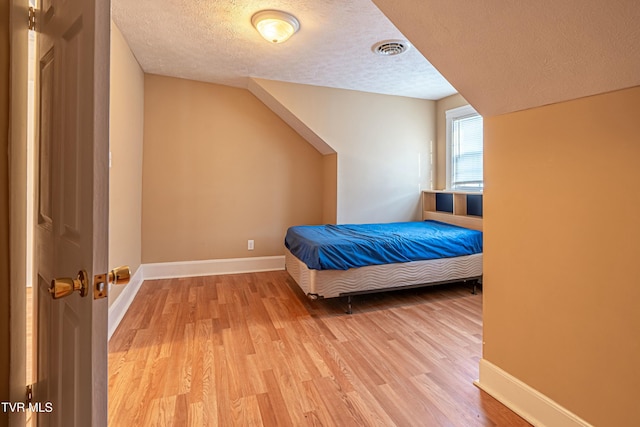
x=378, y=278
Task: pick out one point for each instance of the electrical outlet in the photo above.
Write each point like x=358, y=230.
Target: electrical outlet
x=250, y=245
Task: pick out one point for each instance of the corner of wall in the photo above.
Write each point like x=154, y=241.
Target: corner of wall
x=330, y=189
x=119, y=305
x=126, y=124
x=524, y=400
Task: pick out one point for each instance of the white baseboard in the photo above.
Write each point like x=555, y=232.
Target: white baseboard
x=167, y=270
x=524, y=400
x=124, y=300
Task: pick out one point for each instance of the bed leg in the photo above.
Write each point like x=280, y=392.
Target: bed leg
x=349, y=310
x=475, y=287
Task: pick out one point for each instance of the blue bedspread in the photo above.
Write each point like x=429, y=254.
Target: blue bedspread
x=340, y=247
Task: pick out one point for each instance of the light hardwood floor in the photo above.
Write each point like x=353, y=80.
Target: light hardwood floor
x=250, y=349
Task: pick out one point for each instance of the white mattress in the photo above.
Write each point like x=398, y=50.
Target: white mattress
x=333, y=283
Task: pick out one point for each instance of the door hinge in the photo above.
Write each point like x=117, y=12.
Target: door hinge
x=32, y=18
x=29, y=394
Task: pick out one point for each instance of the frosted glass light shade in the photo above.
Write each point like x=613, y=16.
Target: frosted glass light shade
x=275, y=26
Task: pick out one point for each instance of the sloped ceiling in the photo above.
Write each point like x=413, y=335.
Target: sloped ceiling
x=214, y=41
x=257, y=87
x=505, y=55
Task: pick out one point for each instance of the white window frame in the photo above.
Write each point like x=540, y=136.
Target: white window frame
x=454, y=114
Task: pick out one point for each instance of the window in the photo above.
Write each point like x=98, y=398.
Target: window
x=464, y=149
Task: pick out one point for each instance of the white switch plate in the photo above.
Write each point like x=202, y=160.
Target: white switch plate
x=250, y=245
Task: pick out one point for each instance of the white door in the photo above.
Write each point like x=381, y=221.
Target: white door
x=71, y=203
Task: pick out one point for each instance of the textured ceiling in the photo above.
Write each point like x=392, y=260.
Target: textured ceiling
x=213, y=41
x=505, y=55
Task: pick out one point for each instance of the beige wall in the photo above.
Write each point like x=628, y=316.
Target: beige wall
x=562, y=240
x=126, y=112
x=383, y=144
x=221, y=168
x=4, y=208
x=330, y=189
x=442, y=105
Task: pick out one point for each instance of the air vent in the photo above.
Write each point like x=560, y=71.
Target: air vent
x=390, y=47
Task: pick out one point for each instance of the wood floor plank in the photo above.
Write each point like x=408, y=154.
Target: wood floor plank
x=276, y=399
x=251, y=349
x=394, y=406
x=359, y=359
x=234, y=360
x=448, y=402
x=160, y=412
x=181, y=411
x=253, y=377
x=267, y=414
x=199, y=416
x=125, y=382
x=371, y=415
x=343, y=411
x=320, y=415
x=296, y=357
x=179, y=371
x=250, y=415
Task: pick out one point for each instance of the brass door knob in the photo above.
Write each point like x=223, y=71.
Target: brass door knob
x=117, y=276
x=120, y=275
x=66, y=286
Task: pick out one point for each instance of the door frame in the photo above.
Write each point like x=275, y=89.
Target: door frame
x=18, y=67
x=17, y=197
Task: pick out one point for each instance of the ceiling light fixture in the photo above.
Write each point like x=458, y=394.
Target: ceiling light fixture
x=275, y=26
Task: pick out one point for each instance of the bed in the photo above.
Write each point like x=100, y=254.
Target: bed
x=329, y=261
